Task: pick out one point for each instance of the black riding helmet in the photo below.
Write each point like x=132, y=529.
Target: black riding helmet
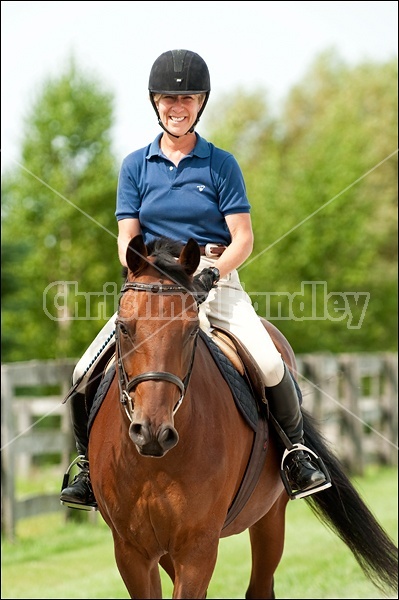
x=179, y=72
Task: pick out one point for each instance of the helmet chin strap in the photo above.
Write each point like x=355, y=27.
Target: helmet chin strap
x=191, y=130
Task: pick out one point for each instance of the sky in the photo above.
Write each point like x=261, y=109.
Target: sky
x=267, y=45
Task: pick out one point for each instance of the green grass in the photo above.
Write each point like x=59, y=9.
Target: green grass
x=58, y=558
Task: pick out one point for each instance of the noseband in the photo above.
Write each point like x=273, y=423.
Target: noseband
x=125, y=385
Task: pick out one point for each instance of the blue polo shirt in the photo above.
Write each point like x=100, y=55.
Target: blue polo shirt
x=190, y=200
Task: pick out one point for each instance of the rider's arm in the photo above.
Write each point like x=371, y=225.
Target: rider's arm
x=127, y=229
x=240, y=248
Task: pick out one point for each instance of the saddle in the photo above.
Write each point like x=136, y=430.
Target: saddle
x=241, y=359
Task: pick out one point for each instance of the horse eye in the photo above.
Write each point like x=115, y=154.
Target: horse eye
x=123, y=329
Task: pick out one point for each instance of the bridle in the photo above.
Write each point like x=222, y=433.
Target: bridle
x=125, y=385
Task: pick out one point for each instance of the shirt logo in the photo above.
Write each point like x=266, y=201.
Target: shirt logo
x=201, y=188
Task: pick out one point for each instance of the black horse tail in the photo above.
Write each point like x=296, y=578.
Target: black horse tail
x=341, y=509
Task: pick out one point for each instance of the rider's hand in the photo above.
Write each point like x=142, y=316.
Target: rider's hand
x=204, y=282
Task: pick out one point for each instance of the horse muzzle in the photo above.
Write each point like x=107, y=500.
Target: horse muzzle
x=150, y=443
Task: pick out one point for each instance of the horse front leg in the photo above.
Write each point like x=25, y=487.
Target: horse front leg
x=140, y=575
x=194, y=568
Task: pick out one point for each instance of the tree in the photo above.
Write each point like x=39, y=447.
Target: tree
x=321, y=177
x=58, y=222
x=322, y=181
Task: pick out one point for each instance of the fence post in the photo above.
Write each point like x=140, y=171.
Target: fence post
x=390, y=409
x=351, y=424
x=7, y=456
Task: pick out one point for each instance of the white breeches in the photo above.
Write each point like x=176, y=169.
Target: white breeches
x=230, y=307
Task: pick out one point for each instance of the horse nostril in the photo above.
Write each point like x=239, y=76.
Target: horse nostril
x=150, y=443
x=138, y=433
x=168, y=437
x=135, y=429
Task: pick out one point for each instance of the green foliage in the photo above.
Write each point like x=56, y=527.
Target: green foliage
x=322, y=181
x=58, y=222
x=321, y=177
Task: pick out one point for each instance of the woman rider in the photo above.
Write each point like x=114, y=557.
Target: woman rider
x=182, y=187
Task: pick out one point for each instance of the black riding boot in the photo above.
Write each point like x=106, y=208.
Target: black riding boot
x=79, y=493
x=302, y=471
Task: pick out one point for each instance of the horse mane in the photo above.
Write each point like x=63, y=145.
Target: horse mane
x=164, y=252
x=164, y=247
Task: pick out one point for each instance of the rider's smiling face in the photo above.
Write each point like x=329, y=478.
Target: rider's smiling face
x=178, y=112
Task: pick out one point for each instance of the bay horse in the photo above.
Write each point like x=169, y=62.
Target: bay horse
x=168, y=449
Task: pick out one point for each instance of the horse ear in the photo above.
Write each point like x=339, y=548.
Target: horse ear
x=190, y=256
x=136, y=254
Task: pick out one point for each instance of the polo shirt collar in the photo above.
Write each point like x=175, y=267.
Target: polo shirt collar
x=201, y=148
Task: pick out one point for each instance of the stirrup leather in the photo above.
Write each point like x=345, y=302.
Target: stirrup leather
x=81, y=458
x=319, y=462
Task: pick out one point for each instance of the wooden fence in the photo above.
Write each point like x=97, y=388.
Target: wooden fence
x=24, y=435
x=354, y=397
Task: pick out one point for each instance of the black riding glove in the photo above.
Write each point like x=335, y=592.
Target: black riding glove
x=204, y=282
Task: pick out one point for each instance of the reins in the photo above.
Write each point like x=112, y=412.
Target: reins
x=125, y=385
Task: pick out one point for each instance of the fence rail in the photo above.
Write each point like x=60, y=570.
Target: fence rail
x=353, y=396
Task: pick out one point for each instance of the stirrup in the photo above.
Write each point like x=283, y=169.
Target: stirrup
x=318, y=488
x=65, y=482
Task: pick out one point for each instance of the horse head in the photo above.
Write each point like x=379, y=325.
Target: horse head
x=156, y=329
